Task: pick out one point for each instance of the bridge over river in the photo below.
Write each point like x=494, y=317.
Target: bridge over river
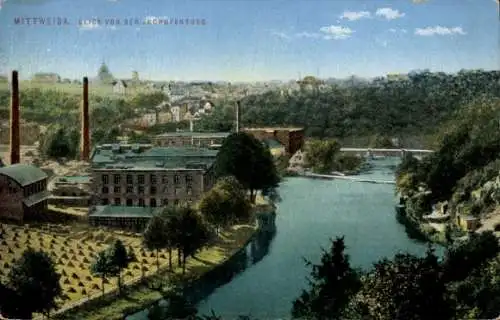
x=386, y=152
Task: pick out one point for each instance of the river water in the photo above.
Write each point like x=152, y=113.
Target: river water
x=263, y=280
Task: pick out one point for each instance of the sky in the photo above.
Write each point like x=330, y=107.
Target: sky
x=248, y=40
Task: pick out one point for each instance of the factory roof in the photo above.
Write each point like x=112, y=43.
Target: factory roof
x=195, y=134
x=124, y=212
x=145, y=157
x=24, y=174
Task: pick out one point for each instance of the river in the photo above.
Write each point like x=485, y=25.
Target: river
x=263, y=280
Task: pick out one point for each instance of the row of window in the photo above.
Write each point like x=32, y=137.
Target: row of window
x=141, y=179
x=35, y=188
x=142, y=189
x=140, y=202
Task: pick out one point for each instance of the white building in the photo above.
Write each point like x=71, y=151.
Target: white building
x=176, y=113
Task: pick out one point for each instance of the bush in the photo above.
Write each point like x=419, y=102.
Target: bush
x=497, y=227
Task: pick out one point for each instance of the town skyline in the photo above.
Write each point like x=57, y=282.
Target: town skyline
x=330, y=39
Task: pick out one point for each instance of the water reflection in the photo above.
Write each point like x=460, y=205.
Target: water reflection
x=253, y=253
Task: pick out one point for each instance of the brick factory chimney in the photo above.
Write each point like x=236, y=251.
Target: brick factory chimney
x=85, y=137
x=15, y=139
x=238, y=106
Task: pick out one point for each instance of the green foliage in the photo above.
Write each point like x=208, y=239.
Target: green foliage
x=60, y=142
x=104, y=75
x=332, y=285
x=225, y=203
x=34, y=278
x=462, y=259
x=245, y=158
x=382, y=142
x=406, y=287
x=155, y=236
x=101, y=267
x=321, y=154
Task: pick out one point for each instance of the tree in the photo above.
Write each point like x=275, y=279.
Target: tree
x=104, y=75
x=192, y=234
x=102, y=267
x=245, y=158
x=34, y=278
x=321, y=154
x=155, y=236
x=11, y=304
x=119, y=259
x=407, y=287
x=60, y=142
x=333, y=284
x=176, y=307
x=225, y=203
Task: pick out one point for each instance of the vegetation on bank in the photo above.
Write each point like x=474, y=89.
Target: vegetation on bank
x=464, y=170
x=464, y=284
x=324, y=157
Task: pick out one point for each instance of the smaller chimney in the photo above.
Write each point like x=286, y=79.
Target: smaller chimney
x=15, y=140
x=85, y=133
x=238, y=106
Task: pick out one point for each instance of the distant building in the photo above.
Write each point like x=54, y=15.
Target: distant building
x=119, y=87
x=176, y=113
x=164, y=117
x=23, y=192
x=291, y=138
x=198, y=139
x=46, y=77
x=297, y=161
x=141, y=175
x=70, y=191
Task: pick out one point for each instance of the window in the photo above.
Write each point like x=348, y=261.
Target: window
x=130, y=189
x=177, y=179
x=105, y=179
x=104, y=202
x=117, y=179
x=141, y=203
x=189, y=179
x=118, y=201
x=118, y=190
x=130, y=179
x=141, y=189
x=164, y=179
x=165, y=202
x=176, y=202
x=105, y=190
x=152, y=202
x=152, y=178
x=130, y=202
x=153, y=190
x=189, y=191
x=140, y=179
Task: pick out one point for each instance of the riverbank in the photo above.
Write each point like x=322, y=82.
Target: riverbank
x=417, y=230
x=139, y=296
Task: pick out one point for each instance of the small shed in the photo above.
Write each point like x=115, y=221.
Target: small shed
x=468, y=223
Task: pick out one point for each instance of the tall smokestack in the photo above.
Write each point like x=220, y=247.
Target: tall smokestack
x=85, y=138
x=15, y=139
x=238, y=106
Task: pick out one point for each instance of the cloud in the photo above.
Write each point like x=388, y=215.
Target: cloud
x=419, y=1
x=389, y=13
x=355, y=15
x=281, y=35
x=336, y=32
x=308, y=35
x=393, y=30
x=439, y=30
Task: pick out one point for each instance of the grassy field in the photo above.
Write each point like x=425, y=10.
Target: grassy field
x=73, y=250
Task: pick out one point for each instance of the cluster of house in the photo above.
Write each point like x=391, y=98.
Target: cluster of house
x=128, y=183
